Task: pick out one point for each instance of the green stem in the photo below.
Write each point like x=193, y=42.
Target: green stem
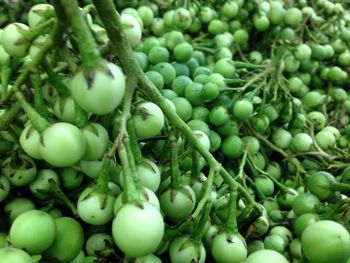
x=111, y=21
x=69, y=58
x=235, y=82
x=329, y=214
x=38, y=122
x=61, y=66
x=130, y=191
x=254, y=172
x=122, y=144
x=206, y=193
x=135, y=148
x=281, y=186
x=88, y=49
x=103, y=176
x=57, y=192
x=247, y=65
x=254, y=79
x=200, y=227
x=240, y=175
x=204, y=49
x=170, y=233
x=342, y=187
x=132, y=163
x=39, y=103
x=223, y=190
x=234, y=185
x=231, y=222
x=245, y=214
x=39, y=29
x=295, y=161
x=60, y=87
x=176, y=181
x=318, y=148
x=131, y=82
x=334, y=209
x=5, y=78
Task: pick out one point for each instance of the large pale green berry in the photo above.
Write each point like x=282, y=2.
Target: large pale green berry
x=98, y=90
x=39, y=13
x=34, y=231
x=132, y=29
x=62, y=144
x=13, y=40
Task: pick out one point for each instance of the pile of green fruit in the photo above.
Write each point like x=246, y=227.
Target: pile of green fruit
x=180, y=131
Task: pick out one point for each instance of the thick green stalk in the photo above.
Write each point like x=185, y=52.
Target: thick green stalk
x=247, y=212
x=38, y=122
x=122, y=144
x=247, y=65
x=131, y=82
x=135, y=148
x=111, y=21
x=69, y=58
x=235, y=82
x=176, y=181
x=232, y=211
x=206, y=193
x=103, y=176
x=240, y=175
x=5, y=78
x=170, y=233
x=342, y=187
x=39, y=29
x=200, y=227
x=61, y=66
x=132, y=163
x=88, y=49
x=39, y=103
x=60, y=87
x=57, y=192
x=130, y=191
